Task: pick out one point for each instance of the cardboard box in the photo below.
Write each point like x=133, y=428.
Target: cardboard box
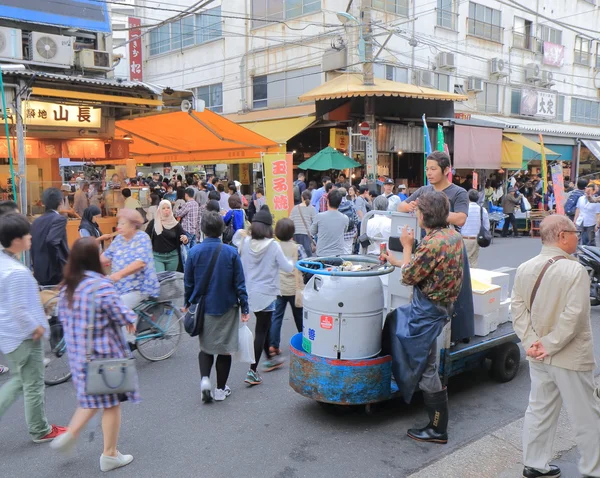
x=485, y=324
x=486, y=297
x=494, y=277
x=504, y=312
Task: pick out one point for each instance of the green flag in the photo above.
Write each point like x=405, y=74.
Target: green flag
x=440, y=138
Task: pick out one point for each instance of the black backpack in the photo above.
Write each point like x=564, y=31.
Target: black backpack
x=571, y=204
x=348, y=210
x=297, y=194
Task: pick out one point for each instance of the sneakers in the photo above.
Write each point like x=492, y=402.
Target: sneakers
x=3, y=369
x=64, y=443
x=54, y=433
x=253, y=378
x=221, y=394
x=274, y=351
x=108, y=463
x=205, y=389
x=272, y=364
x=533, y=473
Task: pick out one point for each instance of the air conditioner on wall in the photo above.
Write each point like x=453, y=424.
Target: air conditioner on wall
x=53, y=50
x=474, y=84
x=93, y=59
x=445, y=61
x=11, y=43
x=532, y=72
x=424, y=78
x=498, y=68
x=547, y=78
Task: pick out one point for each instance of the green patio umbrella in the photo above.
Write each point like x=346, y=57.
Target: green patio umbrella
x=329, y=158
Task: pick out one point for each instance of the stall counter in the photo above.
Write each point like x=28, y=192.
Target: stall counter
x=107, y=226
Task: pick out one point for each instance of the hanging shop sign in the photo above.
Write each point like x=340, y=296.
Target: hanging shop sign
x=558, y=184
x=338, y=138
x=538, y=103
x=135, y=49
x=279, y=183
x=554, y=55
x=41, y=113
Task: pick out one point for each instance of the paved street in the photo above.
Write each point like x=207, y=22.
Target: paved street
x=270, y=431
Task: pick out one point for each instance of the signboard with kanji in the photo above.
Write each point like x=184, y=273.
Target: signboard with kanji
x=135, y=49
x=538, y=103
x=338, y=138
x=41, y=113
x=279, y=183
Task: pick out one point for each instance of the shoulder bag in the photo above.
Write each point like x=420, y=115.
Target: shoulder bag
x=484, y=237
x=193, y=321
x=313, y=244
x=536, y=286
x=105, y=376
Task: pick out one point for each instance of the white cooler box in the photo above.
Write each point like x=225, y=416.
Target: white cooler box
x=485, y=324
x=486, y=297
x=493, y=277
x=504, y=312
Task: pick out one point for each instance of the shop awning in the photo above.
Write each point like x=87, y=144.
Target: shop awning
x=477, y=148
x=512, y=155
x=350, y=85
x=191, y=137
x=563, y=153
x=523, y=141
x=280, y=130
x=593, y=146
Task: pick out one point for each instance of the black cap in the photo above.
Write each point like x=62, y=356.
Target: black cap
x=264, y=216
x=389, y=181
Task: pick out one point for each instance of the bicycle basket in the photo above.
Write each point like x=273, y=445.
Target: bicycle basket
x=171, y=287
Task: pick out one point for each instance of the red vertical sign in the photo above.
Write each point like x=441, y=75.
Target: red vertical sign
x=135, y=49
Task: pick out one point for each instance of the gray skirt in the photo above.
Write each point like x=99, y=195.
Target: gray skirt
x=220, y=333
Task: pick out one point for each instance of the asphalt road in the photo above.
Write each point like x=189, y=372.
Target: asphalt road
x=269, y=431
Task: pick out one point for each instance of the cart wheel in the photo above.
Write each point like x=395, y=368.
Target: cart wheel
x=506, y=362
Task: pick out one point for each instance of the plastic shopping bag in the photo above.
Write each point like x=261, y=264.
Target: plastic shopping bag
x=245, y=351
x=185, y=251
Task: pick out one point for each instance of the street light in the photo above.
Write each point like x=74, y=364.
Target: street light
x=344, y=19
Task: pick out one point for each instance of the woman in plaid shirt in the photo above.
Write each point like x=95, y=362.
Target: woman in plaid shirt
x=86, y=288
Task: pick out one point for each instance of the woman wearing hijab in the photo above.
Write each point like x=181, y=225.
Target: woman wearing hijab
x=89, y=227
x=166, y=235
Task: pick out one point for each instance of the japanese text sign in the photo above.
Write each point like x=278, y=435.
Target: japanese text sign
x=558, y=185
x=135, y=49
x=554, y=55
x=338, y=138
x=279, y=184
x=538, y=103
x=40, y=113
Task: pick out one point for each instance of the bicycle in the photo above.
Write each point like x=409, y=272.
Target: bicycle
x=56, y=360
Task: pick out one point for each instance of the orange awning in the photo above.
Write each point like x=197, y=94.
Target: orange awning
x=192, y=137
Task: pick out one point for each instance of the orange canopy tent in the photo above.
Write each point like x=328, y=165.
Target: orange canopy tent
x=192, y=137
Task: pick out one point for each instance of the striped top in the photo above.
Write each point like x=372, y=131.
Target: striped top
x=21, y=310
x=308, y=213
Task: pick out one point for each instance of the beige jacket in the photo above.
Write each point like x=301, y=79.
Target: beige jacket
x=290, y=282
x=560, y=312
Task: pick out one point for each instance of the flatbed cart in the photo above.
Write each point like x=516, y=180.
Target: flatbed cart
x=336, y=359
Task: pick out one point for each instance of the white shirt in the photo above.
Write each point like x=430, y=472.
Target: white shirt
x=473, y=223
x=379, y=229
x=393, y=202
x=587, y=212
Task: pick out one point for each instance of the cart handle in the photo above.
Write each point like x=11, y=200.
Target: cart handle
x=319, y=263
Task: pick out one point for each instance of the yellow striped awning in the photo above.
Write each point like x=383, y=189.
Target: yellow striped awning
x=523, y=141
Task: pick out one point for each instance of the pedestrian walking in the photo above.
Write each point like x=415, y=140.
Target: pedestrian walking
x=290, y=286
x=478, y=217
x=224, y=289
x=586, y=216
x=318, y=193
x=88, y=227
x=388, y=191
x=88, y=299
x=22, y=325
x=223, y=197
x=167, y=235
x=189, y=213
x=330, y=227
x=262, y=258
x=510, y=200
x=153, y=208
x=234, y=219
x=303, y=216
x=81, y=200
x=551, y=315
x=49, y=249
x=347, y=209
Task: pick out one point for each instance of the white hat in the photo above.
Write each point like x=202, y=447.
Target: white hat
x=402, y=186
x=66, y=188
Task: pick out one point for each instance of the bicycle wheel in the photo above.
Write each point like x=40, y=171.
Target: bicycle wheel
x=56, y=360
x=154, y=345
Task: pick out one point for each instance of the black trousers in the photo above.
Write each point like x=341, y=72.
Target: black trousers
x=507, y=222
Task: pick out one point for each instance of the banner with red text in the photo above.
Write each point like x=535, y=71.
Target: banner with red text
x=135, y=49
x=558, y=185
x=279, y=188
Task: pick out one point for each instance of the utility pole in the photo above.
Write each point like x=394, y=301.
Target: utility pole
x=22, y=174
x=368, y=79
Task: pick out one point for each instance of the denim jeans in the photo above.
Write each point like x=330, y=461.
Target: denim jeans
x=280, y=306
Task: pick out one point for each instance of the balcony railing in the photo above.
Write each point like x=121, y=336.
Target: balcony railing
x=485, y=30
x=447, y=19
x=522, y=41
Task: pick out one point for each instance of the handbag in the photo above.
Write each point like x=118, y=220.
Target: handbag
x=106, y=376
x=193, y=321
x=313, y=244
x=484, y=237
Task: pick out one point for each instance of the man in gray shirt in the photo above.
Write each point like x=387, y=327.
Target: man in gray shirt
x=361, y=201
x=329, y=227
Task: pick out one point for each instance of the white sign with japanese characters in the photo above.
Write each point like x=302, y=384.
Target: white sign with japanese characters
x=40, y=113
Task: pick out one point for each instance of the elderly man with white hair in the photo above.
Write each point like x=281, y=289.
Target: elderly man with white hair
x=379, y=227
x=551, y=316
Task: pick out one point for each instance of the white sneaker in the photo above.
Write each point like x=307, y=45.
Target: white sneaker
x=64, y=443
x=205, y=389
x=108, y=463
x=222, y=394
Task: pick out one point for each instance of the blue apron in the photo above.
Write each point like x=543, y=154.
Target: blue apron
x=463, y=318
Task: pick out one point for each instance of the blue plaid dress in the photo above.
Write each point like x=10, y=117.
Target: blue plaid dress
x=108, y=339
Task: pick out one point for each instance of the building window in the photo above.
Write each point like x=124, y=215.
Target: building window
x=399, y=7
x=284, y=88
x=546, y=33
x=212, y=96
x=390, y=72
x=265, y=11
x=522, y=34
x=515, y=102
x=446, y=14
x=485, y=22
x=560, y=108
x=582, y=51
x=190, y=30
x=441, y=82
x=487, y=100
x=584, y=111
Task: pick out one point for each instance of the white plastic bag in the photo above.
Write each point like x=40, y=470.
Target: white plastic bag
x=245, y=351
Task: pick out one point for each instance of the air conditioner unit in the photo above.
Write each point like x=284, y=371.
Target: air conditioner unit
x=498, y=68
x=547, y=78
x=93, y=60
x=11, y=43
x=53, y=50
x=474, y=84
x=532, y=72
x=445, y=61
x=424, y=78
